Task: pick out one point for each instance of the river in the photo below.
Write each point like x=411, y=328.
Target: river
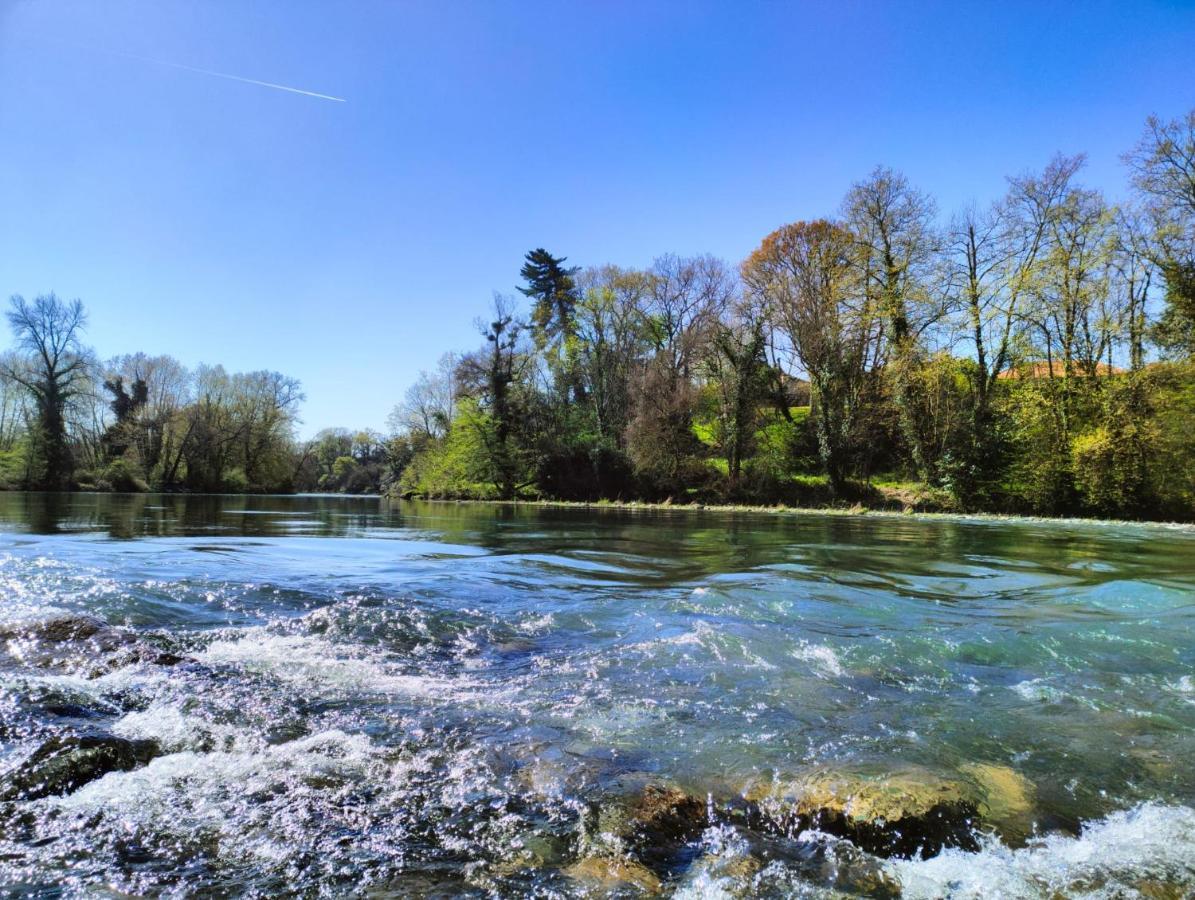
x=331, y=696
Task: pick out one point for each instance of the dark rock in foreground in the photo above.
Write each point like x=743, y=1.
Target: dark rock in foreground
x=654, y=825
x=78, y=644
x=67, y=762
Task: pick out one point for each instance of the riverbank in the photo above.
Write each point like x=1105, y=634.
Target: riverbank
x=783, y=510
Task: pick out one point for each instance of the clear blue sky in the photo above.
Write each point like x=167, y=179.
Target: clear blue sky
x=349, y=244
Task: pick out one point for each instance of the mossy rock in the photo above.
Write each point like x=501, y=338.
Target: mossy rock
x=1005, y=799
x=654, y=823
x=612, y=875
x=906, y=812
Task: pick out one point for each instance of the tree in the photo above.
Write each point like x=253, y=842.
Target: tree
x=1163, y=172
x=125, y=405
x=53, y=368
x=682, y=303
x=741, y=379
x=492, y=373
x=892, y=223
x=553, y=292
x=1134, y=271
x=611, y=341
x=806, y=276
x=428, y=407
x=986, y=261
x=156, y=425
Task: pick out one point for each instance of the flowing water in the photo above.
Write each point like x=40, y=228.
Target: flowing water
x=345, y=696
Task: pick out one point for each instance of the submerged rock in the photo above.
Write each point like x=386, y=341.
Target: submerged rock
x=614, y=874
x=652, y=823
x=77, y=643
x=1005, y=800
x=907, y=812
x=67, y=762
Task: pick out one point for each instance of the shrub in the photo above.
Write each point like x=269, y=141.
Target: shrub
x=122, y=476
x=235, y=481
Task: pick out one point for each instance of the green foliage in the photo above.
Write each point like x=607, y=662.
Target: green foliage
x=343, y=468
x=1040, y=478
x=1175, y=328
x=12, y=468
x=235, y=481
x=1110, y=465
x=1171, y=389
x=458, y=465
x=122, y=476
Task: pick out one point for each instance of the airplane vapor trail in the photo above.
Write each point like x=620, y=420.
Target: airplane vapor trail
x=243, y=80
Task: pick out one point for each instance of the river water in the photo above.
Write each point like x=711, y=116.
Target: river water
x=347, y=696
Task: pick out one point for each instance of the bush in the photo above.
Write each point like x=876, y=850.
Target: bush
x=236, y=481
x=12, y=469
x=121, y=476
x=457, y=466
x=1040, y=477
x=1110, y=465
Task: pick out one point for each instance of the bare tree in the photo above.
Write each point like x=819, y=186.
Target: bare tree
x=429, y=405
x=611, y=335
x=892, y=223
x=53, y=368
x=1163, y=168
x=683, y=301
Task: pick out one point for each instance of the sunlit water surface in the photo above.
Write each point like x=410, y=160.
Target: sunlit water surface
x=416, y=699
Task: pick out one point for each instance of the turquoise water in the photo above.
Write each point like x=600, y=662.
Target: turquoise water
x=424, y=699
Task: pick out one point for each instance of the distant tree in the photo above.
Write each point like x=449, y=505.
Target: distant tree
x=1069, y=308
x=53, y=368
x=741, y=379
x=125, y=404
x=491, y=376
x=159, y=423
x=1134, y=270
x=612, y=342
x=681, y=305
x=552, y=290
x=428, y=407
x=14, y=404
x=987, y=257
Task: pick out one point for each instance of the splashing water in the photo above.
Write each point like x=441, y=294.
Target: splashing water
x=331, y=696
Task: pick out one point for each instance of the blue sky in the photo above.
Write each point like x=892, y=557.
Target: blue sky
x=350, y=244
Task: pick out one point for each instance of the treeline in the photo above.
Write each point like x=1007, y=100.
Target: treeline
x=1032, y=356
x=71, y=421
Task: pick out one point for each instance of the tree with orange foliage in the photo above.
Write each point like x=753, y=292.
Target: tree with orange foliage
x=805, y=276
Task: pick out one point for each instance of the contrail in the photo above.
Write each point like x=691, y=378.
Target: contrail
x=185, y=68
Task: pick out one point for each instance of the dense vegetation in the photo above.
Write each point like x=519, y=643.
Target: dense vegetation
x=1034, y=356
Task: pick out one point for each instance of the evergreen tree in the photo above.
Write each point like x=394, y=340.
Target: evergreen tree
x=553, y=292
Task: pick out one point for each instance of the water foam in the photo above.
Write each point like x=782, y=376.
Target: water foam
x=319, y=666
x=823, y=658
x=1123, y=855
